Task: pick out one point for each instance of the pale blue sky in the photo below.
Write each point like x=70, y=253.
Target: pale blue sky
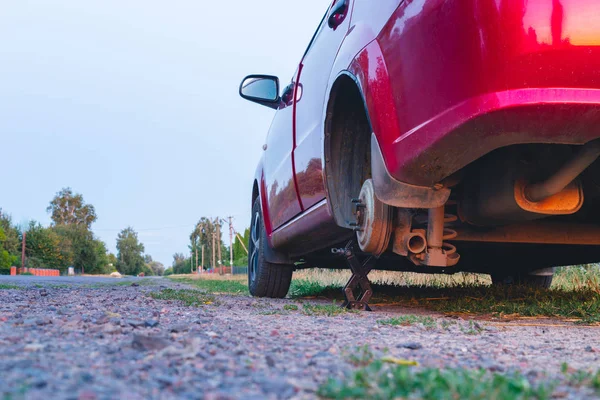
x=134, y=104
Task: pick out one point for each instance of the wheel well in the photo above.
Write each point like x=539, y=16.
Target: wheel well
x=347, y=147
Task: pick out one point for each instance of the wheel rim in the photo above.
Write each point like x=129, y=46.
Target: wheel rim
x=255, y=237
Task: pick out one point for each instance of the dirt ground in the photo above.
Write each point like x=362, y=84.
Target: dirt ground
x=86, y=339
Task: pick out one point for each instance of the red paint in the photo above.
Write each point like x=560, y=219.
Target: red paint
x=444, y=82
x=450, y=62
x=278, y=169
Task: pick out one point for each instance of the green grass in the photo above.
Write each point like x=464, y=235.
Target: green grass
x=271, y=312
x=582, y=304
x=407, y=320
x=389, y=378
x=360, y=356
x=328, y=310
x=216, y=286
x=5, y=286
x=308, y=288
x=189, y=297
x=376, y=381
x=290, y=307
x=141, y=282
x=577, y=277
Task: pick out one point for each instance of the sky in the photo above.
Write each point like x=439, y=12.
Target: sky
x=134, y=104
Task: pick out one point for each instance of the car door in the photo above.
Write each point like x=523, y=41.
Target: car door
x=313, y=78
x=282, y=199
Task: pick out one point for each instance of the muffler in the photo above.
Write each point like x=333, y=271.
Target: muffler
x=564, y=176
x=501, y=193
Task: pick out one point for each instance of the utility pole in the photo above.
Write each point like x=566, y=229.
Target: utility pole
x=219, y=245
x=213, y=250
x=196, y=246
x=231, y=245
x=23, y=252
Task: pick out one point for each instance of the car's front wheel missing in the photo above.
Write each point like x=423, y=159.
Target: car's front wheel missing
x=265, y=279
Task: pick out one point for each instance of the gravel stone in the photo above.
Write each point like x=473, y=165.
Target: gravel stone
x=411, y=345
x=91, y=341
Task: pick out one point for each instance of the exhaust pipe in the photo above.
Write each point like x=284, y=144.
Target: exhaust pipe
x=564, y=176
x=415, y=241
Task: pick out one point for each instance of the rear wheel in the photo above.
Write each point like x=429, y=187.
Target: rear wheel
x=522, y=278
x=265, y=279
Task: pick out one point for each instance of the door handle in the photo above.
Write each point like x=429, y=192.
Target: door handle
x=337, y=14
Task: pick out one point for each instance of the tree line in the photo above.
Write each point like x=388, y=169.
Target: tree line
x=201, y=237
x=70, y=242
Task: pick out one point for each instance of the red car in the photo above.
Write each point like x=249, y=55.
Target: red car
x=433, y=136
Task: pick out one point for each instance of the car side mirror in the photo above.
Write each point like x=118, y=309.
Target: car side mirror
x=261, y=89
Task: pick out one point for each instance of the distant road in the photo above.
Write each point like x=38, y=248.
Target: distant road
x=26, y=280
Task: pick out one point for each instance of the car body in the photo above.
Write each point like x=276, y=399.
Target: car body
x=457, y=96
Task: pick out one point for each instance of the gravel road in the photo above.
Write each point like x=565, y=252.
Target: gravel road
x=90, y=339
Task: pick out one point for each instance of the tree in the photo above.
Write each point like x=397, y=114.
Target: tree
x=102, y=263
x=181, y=264
x=7, y=259
x=81, y=249
x=112, y=261
x=11, y=242
x=157, y=268
x=240, y=257
x=68, y=208
x=129, y=253
x=43, y=248
x=202, y=235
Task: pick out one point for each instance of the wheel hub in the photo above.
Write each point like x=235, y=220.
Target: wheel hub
x=374, y=221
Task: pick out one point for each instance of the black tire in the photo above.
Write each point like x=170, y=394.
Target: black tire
x=265, y=279
x=519, y=278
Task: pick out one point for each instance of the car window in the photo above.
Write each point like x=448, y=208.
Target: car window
x=321, y=25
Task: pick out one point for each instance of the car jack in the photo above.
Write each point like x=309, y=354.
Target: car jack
x=358, y=279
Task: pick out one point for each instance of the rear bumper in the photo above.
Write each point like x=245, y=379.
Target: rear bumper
x=443, y=145
x=469, y=76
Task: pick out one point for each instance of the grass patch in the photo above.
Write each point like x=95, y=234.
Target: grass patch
x=360, y=356
x=309, y=288
x=189, y=297
x=270, y=312
x=329, y=310
x=216, y=286
x=290, y=307
x=581, y=304
x=473, y=328
x=379, y=382
x=141, y=282
x=5, y=286
x=577, y=277
x=407, y=320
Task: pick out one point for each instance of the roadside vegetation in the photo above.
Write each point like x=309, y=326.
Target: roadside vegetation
x=191, y=298
x=216, y=283
x=391, y=378
x=6, y=287
x=575, y=293
x=70, y=242
x=378, y=381
x=328, y=310
x=574, y=296
x=408, y=320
